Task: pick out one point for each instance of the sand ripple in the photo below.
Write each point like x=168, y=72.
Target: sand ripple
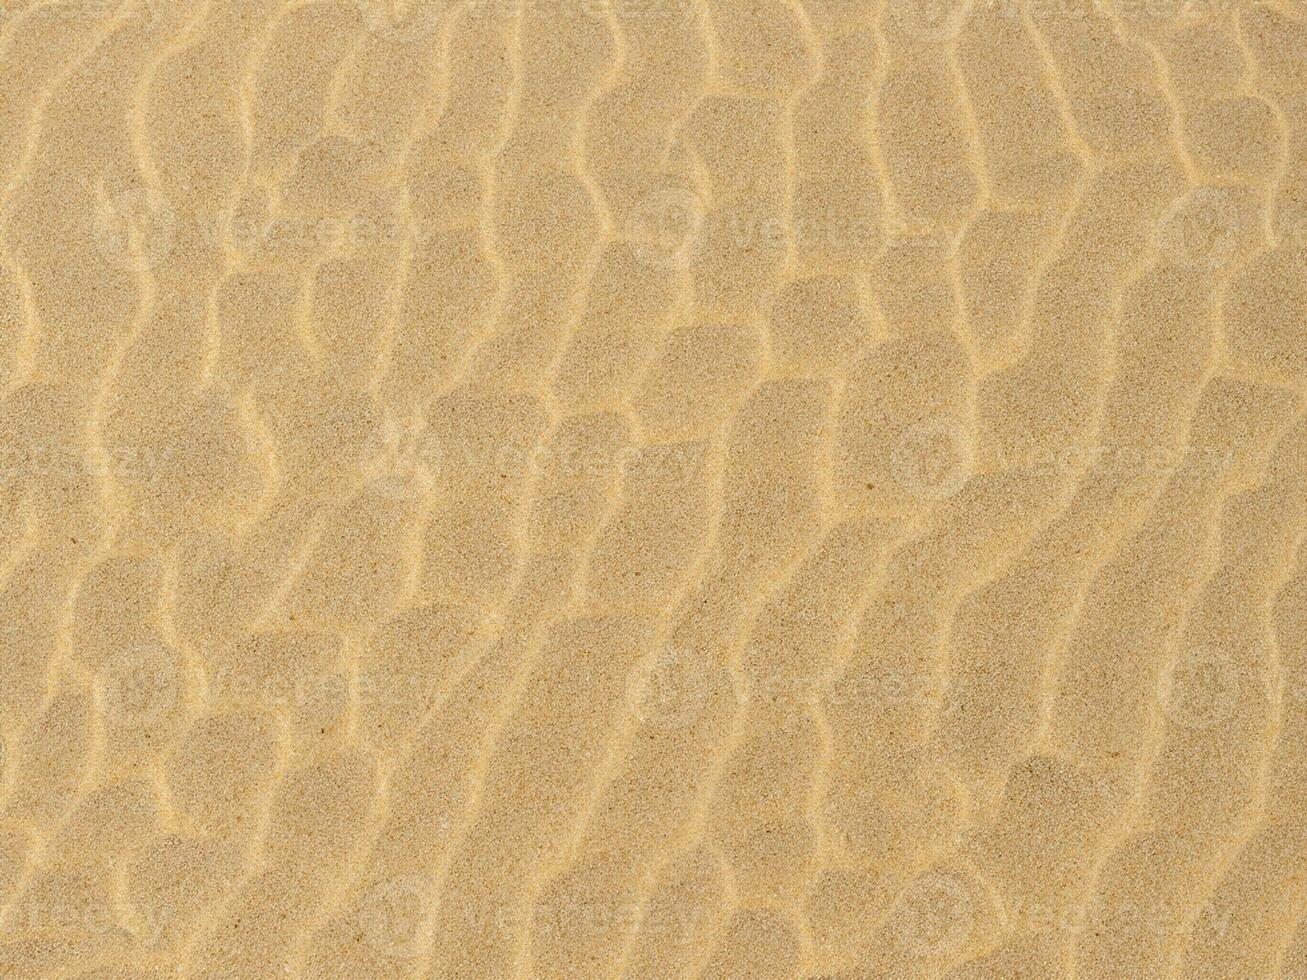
x=654, y=488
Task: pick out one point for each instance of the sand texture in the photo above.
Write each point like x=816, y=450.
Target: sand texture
x=735, y=489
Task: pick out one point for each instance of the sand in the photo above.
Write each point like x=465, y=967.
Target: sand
x=653, y=488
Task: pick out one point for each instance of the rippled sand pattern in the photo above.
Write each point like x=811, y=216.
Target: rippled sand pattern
x=653, y=488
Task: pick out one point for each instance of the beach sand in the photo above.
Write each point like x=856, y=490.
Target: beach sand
x=653, y=488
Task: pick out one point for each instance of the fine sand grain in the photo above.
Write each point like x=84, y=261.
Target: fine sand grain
x=653, y=488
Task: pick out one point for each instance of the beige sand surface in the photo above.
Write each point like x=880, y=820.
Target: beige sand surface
x=653, y=488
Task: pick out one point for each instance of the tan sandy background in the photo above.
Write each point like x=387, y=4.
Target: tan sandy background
x=653, y=488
